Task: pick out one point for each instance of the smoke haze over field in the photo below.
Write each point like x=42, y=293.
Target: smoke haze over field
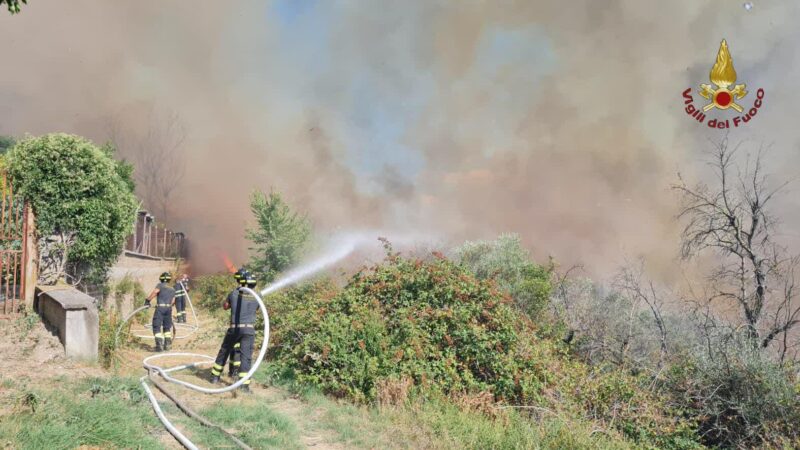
x=561, y=121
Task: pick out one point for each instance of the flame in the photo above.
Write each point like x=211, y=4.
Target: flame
x=723, y=74
x=228, y=264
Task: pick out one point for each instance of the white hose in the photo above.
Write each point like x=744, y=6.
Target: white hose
x=192, y=329
x=208, y=359
x=342, y=250
x=167, y=424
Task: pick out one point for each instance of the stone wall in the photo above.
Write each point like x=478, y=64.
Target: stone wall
x=74, y=316
x=142, y=269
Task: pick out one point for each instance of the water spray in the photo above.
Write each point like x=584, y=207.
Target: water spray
x=335, y=253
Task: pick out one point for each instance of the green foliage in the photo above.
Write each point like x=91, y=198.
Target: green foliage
x=266, y=428
x=75, y=187
x=511, y=266
x=26, y=321
x=128, y=288
x=279, y=238
x=13, y=5
x=431, y=322
x=109, y=413
x=407, y=329
x=6, y=142
x=740, y=398
x=108, y=344
x=123, y=168
x=211, y=290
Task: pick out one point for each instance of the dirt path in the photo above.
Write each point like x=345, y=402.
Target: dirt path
x=303, y=415
x=206, y=341
x=35, y=358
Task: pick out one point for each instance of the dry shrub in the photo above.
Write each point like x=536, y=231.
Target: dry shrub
x=481, y=402
x=393, y=391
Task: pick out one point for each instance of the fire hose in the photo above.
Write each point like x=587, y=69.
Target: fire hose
x=153, y=369
x=337, y=253
x=192, y=329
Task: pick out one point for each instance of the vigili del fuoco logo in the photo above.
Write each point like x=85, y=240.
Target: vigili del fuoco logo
x=722, y=96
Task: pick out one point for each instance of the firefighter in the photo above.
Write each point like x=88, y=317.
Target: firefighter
x=162, y=316
x=181, y=287
x=236, y=355
x=241, y=331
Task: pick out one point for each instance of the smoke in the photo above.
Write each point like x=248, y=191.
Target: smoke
x=562, y=122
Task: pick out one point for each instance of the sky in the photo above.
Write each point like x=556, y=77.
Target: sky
x=559, y=121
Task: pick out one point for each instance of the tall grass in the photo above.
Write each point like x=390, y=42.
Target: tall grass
x=254, y=422
x=109, y=413
x=434, y=423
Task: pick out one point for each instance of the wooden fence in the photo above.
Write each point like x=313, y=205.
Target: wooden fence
x=150, y=238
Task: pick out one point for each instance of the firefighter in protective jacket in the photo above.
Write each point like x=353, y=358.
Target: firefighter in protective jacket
x=243, y=306
x=236, y=355
x=180, y=298
x=162, y=316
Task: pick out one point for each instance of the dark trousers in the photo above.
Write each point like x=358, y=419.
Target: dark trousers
x=236, y=360
x=232, y=337
x=162, y=322
x=180, y=308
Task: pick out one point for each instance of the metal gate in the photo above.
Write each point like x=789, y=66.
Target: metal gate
x=13, y=245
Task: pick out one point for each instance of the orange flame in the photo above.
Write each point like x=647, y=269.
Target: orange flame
x=228, y=264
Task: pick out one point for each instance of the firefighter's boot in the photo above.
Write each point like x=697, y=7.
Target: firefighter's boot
x=167, y=344
x=216, y=371
x=159, y=344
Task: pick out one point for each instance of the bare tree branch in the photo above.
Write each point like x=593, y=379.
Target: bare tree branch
x=158, y=156
x=732, y=220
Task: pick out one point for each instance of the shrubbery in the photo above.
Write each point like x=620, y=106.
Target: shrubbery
x=430, y=322
x=210, y=291
x=406, y=328
x=740, y=398
x=82, y=199
x=506, y=261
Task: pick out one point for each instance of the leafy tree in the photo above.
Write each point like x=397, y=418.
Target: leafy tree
x=279, y=237
x=124, y=168
x=13, y=5
x=511, y=266
x=84, y=208
x=6, y=142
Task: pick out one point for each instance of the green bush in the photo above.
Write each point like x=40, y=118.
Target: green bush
x=209, y=291
x=431, y=322
x=510, y=265
x=740, y=398
x=279, y=237
x=108, y=344
x=80, y=198
x=127, y=289
x=409, y=328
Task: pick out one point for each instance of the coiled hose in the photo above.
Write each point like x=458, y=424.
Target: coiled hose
x=192, y=329
x=153, y=369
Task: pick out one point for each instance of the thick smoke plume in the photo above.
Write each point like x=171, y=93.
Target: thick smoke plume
x=561, y=121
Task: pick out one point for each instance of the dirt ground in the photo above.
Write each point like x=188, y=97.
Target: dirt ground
x=35, y=357
x=33, y=354
x=206, y=341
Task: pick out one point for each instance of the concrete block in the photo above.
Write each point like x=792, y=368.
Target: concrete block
x=74, y=314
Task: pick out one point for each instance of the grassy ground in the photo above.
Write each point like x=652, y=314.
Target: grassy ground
x=63, y=405
x=113, y=413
